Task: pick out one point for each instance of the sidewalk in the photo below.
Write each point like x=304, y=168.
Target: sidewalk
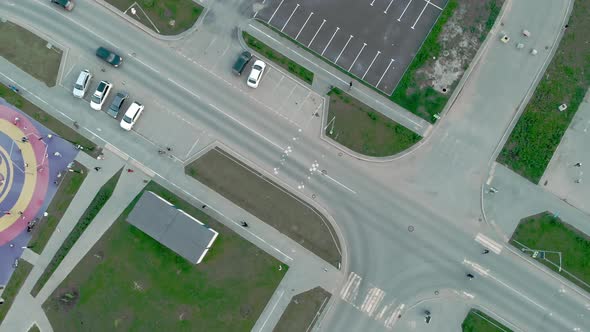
x=26, y=309
x=325, y=75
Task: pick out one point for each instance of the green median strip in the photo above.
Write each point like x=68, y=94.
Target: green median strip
x=68, y=187
x=101, y=198
x=477, y=321
x=16, y=281
x=541, y=126
x=364, y=130
x=557, y=245
x=276, y=57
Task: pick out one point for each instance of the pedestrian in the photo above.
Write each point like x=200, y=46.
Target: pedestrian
x=97, y=168
x=204, y=206
x=129, y=170
x=485, y=251
x=12, y=245
x=100, y=157
x=20, y=213
x=244, y=224
x=26, y=165
x=55, y=182
x=350, y=86
x=169, y=149
x=57, y=154
x=578, y=181
x=578, y=164
x=7, y=213
x=24, y=139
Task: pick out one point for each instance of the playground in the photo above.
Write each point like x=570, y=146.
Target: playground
x=33, y=161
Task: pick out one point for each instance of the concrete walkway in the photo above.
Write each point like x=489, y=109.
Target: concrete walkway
x=26, y=309
x=325, y=75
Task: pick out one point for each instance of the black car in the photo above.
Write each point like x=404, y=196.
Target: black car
x=117, y=103
x=241, y=63
x=67, y=4
x=109, y=56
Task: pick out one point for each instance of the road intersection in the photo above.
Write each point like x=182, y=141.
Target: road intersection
x=408, y=226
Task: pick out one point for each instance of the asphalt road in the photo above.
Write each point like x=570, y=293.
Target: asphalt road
x=408, y=226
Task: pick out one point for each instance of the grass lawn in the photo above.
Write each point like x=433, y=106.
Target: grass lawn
x=303, y=311
x=16, y=281
x=415, y=90
x=68, y=187
x=182, y=13
x=477, y=321
x=101, y=198
x=130, y=282
x=48, y=121
x=541, y=126
x=276, y=57
x=255, y=193
x=363, y=130
x=544, y=231
x=29, y=52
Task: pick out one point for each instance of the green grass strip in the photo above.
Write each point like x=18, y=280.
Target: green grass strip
x=16, y=281
x=101, y=198
x=477, y=321
x=541, y=126
x=276, y=57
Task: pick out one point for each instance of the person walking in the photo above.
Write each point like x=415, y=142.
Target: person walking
x=97, y=168
x=244, y=224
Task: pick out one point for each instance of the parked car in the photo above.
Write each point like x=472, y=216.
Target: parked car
x=66, y=4
x=117, y=103
x=82, y=83
x=241, y=63
x=109, y=56
x=256, y=74
x=100, y=95
x=130, y=118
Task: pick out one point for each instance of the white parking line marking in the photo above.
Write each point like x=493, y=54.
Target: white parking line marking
x=316, y=33
x=376, y=55
x=386, y=69
x=293, y=12
x=357, y=56
x=386, y=9
x=408, y=5
x=434, y=5
x=303, y=26
x=372, y=2
x=348, y=41
x=423, y=9
x=328, y=44
x=273, y=14
x=255, y=14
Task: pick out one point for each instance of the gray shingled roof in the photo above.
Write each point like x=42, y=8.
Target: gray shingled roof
x=172, y=227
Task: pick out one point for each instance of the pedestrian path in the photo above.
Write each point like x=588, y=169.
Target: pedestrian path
x=327, y=76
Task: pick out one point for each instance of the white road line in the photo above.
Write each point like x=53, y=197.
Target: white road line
x=348, y=41
x=376, y=55
x=303, y=26
x=386, y=69
x=273, y=14
x=434, y=5
x=316, y=33
x=271, y=311
x=423, y=9
x=386, y=9
x=488, y=243
x=372, y=301
x=357, y=56
x=349, y=291
x=143, y=63
x=343, y=186
x=392, y=319
x=328, y=44
x=185, y=89
x=243, y=125
x=408, y=5
x=255, y=14
x=294, y=10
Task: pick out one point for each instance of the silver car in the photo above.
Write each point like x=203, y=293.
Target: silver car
x=82, y=83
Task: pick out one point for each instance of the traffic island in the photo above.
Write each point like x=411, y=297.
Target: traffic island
x=267, y=201
x=555, y=244
x=477, y=321
x=129, y=281
x=364, y=130
x=165, y=17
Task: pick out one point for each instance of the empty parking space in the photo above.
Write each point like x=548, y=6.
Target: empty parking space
x=375, y=40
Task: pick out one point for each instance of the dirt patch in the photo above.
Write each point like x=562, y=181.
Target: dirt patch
x=303, y=311
x=266, y=200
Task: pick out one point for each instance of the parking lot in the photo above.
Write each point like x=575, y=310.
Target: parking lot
x=375, y=40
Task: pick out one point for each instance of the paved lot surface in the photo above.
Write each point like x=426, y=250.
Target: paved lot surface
x=563, y=178
x=373, y=39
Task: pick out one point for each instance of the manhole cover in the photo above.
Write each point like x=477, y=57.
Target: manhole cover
x=410, y=228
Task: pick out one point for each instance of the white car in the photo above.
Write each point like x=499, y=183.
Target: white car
x=82, y=83
x=256, y=74
x=100, y=95
x=131, y=116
